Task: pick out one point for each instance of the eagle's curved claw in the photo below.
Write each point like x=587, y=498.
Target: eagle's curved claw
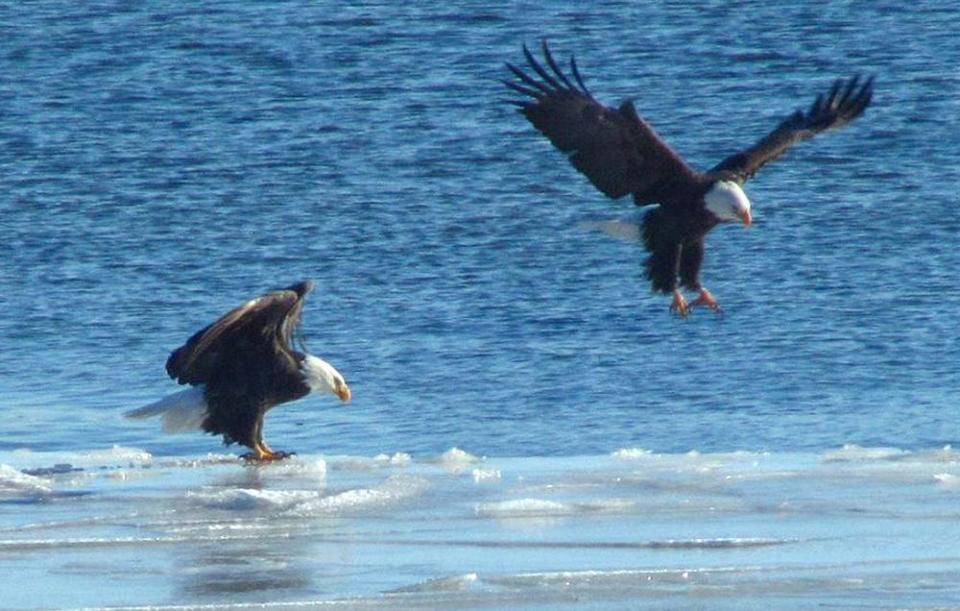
x=263, y=453
x=679, y=305
x=253, y=457
x=706, y=299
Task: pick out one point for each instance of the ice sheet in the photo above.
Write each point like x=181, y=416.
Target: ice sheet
x=862, y=526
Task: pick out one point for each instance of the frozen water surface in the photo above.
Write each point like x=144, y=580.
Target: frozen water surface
x=118, y=527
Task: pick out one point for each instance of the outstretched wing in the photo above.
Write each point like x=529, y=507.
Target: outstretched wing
x=845, y=101
x=262, y=325
x=614, y=148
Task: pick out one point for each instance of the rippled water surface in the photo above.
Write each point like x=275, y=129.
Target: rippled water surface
x=161, y=163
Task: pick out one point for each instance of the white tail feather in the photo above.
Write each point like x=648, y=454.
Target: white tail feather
x=624, y=229
x=182, y=411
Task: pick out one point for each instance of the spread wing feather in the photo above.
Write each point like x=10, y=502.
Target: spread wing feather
x=613, y=147
x=263, y=324
x=846, y=100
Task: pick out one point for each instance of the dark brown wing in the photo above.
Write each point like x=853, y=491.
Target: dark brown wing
x=614, y=148
x=845, y=101
x=261, y=326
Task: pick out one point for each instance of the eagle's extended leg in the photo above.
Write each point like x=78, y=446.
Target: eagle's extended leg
x=706, y=299
x=261, y=451
x=679, y=305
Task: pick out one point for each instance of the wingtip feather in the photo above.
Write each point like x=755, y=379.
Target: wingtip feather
x=553, y=66
x=526, y=78
x=576, y=75
x=521, y=89
x=539, y=69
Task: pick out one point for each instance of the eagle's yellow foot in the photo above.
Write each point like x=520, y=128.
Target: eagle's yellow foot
x=263, y=453
x=679, y=305
x=706, y=299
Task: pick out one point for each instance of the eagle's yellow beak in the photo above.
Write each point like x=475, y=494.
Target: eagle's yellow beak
x=746, y=218
x=343, y=391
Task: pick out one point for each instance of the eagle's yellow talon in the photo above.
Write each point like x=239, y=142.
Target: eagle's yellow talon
x=706, y=299
x=679, y=305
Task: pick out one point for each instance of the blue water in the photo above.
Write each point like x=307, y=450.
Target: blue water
x=162, y=163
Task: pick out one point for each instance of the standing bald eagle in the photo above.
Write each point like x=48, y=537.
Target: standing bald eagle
x=622, y=155
x=241, y=366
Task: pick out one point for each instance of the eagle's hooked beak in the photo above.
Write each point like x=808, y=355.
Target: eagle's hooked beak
x=343, y=391
x=746, y=218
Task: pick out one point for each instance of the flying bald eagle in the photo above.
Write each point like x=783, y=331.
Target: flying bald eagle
x=241, y=366
x=622, y=155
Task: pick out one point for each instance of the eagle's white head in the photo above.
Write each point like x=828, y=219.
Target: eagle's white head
x=321, y=376
x=727, y=201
